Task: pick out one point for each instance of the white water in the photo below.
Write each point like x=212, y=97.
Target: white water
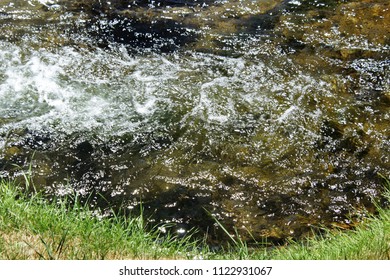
x=111, y=92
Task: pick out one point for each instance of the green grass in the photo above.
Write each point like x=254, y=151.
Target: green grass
x=33, y=228
x=370, y=240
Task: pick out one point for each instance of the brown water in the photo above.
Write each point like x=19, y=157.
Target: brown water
x=270, y=116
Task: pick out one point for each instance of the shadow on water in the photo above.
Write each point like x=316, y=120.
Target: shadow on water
x=168, y=26
x=141, y=25
x=160, y=35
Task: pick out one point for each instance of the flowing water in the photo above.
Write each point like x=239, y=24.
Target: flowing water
x=269, y=116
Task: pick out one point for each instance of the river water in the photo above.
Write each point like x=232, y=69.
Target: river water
x=270, y=116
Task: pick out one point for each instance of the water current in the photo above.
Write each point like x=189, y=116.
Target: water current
x=270, y=116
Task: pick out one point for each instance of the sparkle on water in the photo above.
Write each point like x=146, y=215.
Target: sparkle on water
x=266, y=134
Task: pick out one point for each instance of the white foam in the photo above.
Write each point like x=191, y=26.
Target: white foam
x=46, y=2
x=295, y=2
x=109, y=92
x=146, y=108
x=286, y=114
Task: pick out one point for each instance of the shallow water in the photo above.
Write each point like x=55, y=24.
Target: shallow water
x=270, y=116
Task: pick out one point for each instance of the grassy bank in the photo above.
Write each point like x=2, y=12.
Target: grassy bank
x=32, y=228
x=369, y=241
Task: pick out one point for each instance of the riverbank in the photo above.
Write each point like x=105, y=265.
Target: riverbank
x=33, y=228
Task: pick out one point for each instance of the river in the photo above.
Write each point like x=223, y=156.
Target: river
x=269, y=116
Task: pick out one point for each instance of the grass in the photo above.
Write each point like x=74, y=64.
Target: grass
x=368, y=241
x=33, y=228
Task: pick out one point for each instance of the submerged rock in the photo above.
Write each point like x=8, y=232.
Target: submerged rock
x=346, y=30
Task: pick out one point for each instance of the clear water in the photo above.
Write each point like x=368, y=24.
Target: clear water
x=263, y=127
